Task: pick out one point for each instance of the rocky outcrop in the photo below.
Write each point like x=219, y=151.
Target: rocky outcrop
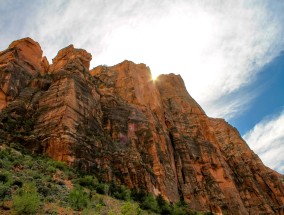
x=69, y=108
x=119, y=124
x=133, y=118
x=203, y=175
x=19, y=64
x=70, y=56
x=259, y=187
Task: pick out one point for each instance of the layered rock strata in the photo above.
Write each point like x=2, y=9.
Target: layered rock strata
x=119, y=124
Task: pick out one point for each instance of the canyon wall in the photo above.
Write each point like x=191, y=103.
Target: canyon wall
x=117, y=123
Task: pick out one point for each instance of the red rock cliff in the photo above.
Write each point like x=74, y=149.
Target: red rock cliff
x=118, y=123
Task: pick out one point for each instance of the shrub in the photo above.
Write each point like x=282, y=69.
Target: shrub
x=51, y=169
x=88, y=181
x=18, y=183
x=102, y=188
x=120, y=192
x=4, y=154
x=150, y=203
x=58, y=165
x=181, y=208
x=165, y=207
x=98, y=203
x=4, y=192
x=27, y=200
x=138, y=195
x=129, y=208
x=43, y=190
x=78, y=199
x=98, y=208
x=179, y=211
x=5, y=177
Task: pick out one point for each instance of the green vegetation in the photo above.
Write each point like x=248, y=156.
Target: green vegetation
x=26, y=200
x=38, y=185
x=150, y=203
x=78, y=198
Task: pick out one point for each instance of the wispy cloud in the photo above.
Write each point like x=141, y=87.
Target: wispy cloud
x=217, y=46
x=267, y=140
x=14, y=16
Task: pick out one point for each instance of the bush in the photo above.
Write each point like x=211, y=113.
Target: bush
x=43, y=190
x=5, y=192
x=179, y=211
x=88, y=181
x=165, y=207
x=27, y=200
x=138, y=195
x=58, y=165
x=181, y=208
x=150, y=203
x=5, y=177
x=120, y=192
x=78, y=199
x=51, y=169
x=129, y=208
x=102, y=188
x=18, y=183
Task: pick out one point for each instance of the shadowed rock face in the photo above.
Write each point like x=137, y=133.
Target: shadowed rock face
x=116, y=122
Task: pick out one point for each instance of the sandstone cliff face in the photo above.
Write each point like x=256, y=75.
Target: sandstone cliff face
x=119, y=124
x=259, y=187
x=21, y=62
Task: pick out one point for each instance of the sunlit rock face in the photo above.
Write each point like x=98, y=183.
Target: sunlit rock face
x=117, y=123
x=21, y=62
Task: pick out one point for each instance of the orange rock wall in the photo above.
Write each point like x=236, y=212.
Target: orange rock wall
x=119, y=124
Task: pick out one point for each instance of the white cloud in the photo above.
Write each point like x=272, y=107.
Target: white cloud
x=267, y=140
x=217, y=46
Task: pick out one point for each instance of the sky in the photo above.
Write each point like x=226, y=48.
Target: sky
x=230, y=53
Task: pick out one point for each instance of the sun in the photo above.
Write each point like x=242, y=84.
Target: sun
x=154, y=76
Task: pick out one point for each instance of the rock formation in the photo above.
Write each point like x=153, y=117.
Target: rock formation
x=117, y=123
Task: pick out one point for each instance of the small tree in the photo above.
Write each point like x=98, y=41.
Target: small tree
x=27, y=200
x=150, y=203
x=78, y=199
x=120, y=192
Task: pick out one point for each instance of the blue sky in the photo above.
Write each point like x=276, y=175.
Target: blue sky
x=229, y=52
x=269, y=85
